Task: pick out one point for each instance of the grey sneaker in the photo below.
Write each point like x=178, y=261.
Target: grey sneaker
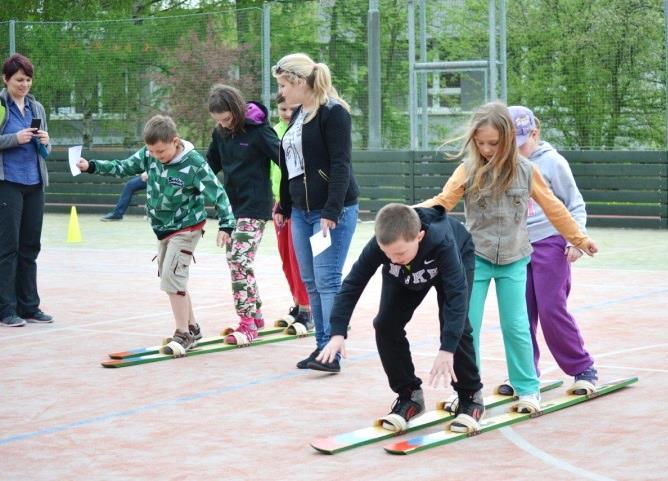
x=180, y=343
x=110, y=217
x=195, y=331
x=12, y=321
x=585, y=382
x=39, y=317
x=505, y=389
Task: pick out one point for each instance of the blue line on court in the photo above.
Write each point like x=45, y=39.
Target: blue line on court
x=160, y=404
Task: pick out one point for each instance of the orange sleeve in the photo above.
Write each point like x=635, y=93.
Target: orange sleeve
x=452, y=192
x=555, y=210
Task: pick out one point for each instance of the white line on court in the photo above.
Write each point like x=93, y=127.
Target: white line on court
x=160, y=315
x=105, y=331
x=529, y=448
x=632, y=368
x=512, y=435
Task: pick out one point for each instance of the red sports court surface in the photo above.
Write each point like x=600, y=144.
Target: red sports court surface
x=249, y=414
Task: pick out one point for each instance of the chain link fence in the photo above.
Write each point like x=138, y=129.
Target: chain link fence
x=594, y=72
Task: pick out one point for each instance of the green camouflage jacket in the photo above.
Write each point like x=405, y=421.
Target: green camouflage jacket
x=175, y=192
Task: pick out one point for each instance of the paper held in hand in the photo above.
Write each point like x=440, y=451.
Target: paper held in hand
x=74, y=154
x=320, y=243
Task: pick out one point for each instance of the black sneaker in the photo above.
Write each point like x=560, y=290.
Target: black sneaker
x=111, y=217
x=333, y=366
x=39, y=317
x=289, y=318
x=585, y=382
x=470, y=410
x=180, y=343
x=303, y=324
x=12, y=321
x=408, y=405
x=303, y=364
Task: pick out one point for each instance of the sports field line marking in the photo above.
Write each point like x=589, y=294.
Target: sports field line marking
x=164, y=314
x=519, y=441
x=105, y=331
x=579, y=473
x=631, y=368
x=262, y=380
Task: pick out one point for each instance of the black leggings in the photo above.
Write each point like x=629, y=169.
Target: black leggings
x=397, y=306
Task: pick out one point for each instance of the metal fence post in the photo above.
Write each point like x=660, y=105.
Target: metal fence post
x=504, y=54
x=492, y=50
x=424, y=99
x=373, y=79
x=266, y=55
x=12, y=37
x=412, y=95
x=665, y=52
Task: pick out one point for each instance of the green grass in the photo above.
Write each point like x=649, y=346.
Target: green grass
x=619, y=248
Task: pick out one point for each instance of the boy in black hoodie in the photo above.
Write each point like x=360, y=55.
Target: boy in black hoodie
x=418, y=248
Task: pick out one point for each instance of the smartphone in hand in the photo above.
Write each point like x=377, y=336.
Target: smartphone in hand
x=36, y=123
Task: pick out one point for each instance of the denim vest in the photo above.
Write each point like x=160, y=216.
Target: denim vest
x=499, y=225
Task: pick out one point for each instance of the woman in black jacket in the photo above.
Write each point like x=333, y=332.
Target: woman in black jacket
x=318, y=189
x=242, y=146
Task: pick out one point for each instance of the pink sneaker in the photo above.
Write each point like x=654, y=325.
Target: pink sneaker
x=259, y=320
x=244, y=334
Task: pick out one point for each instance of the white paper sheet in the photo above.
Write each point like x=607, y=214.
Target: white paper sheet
x=74, y=154
x=320, y=243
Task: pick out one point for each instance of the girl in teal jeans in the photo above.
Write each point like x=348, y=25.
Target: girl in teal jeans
x=496, y=183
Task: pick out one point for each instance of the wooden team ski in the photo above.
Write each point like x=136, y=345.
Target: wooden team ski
x=205, y=341
x=362, y=437
x=216, y=347
x=439, y=438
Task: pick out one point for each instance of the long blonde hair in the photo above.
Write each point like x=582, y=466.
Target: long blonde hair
x=317, y=76
x=495, y=176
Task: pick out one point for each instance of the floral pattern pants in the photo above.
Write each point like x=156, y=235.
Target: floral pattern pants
x=241, y=250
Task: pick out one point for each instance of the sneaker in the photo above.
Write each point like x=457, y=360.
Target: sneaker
x=303, y=364
x=38, y=317
x=470, y=409
x=408, y=405
x=333, y=366
x=12, y=321
x=527, y=403
x=244, y=334
x=289, y=318
x=195, y=331
x=302, y=325
x=505, y=389
x=585, y=382
x=259, y=319
x=180, y=343
x=111, y=217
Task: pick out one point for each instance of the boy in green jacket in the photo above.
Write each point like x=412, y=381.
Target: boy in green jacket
x=179, y=180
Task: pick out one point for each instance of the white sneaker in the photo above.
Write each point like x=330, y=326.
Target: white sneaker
x=527, y=403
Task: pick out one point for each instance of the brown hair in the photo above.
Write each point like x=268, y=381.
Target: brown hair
x=225, y=98
x=396, y=221
x=15, y=63
x=159, y=128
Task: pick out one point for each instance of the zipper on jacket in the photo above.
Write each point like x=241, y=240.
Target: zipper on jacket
x=308, y=209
